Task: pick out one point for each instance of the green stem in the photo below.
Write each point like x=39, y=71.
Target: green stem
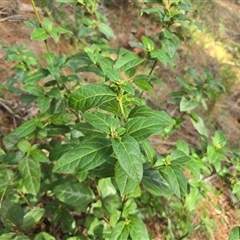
x=40, y=24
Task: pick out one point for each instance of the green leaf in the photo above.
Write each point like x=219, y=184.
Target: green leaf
x=5, y=178
x=31, y=218
x=74, y=194
x=43, y=103
x=39, y=34
x=61, y=118
x=25, y=129
x=90, y=96
x=47, y=24
x=149, y=150
x=141, y=128
x=178, y=157
x=176, y=179
x=162, y=56
x=148, y=43
x=155, y=183
x=101, y=121
x=36, y=76
x=106, y=187
x=38, y=155
x=106, y=30
x=183, y=146
x=129, y=156
x=62, y=30
x=24, y=145
x=34, y=90
x=88, y=155
x=59, y=150
x=30, y=172
x=137, y=228
x=235, y=233
x=187, y=104
x=127, y=61
x=199, y=125
x=7, y=236
x=44, y=236
x=124, y=182
x=119, y=232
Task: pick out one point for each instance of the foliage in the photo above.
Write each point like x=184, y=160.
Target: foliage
x=84, y=164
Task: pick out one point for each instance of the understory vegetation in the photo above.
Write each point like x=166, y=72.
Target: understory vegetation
x=86, y=165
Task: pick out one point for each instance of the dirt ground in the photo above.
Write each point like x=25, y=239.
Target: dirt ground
x=224, y=115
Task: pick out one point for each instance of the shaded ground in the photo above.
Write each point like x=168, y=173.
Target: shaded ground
x=224, y=114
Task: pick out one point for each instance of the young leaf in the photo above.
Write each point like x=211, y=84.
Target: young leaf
x=74, y=194
x=88, y=155
x=124, y=182
x=24, y=145
x=101, y=121
x=148, y=43
x=162, y=56
x=176, y=179
x=137, y=228
x=30, y=172
x=38, y=155
x=155, y=183
x=149, y=150
x=199, y=125
x=90, y=96
x=31, y=218
x=39, y=34
x=129, y=156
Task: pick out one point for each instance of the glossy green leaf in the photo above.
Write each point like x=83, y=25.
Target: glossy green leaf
x=119, y=232
x=30, y=172
x=101, y=121
x=151, y=154
x=39, y=34
x=58, y=150
x=90, y=96
x=129, y=156
x=155, y=183
x=86, y=156
x=176, y=179
x=137, y=228
x=31, y=218
x=74, y=194
x=106, y=30
x=235, y=233
x=124, y=182
x=25, y=129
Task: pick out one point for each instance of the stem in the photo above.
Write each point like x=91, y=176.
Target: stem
x=40, y=24
x=154, y=65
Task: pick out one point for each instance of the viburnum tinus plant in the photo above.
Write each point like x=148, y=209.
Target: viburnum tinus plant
x=84, y=167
